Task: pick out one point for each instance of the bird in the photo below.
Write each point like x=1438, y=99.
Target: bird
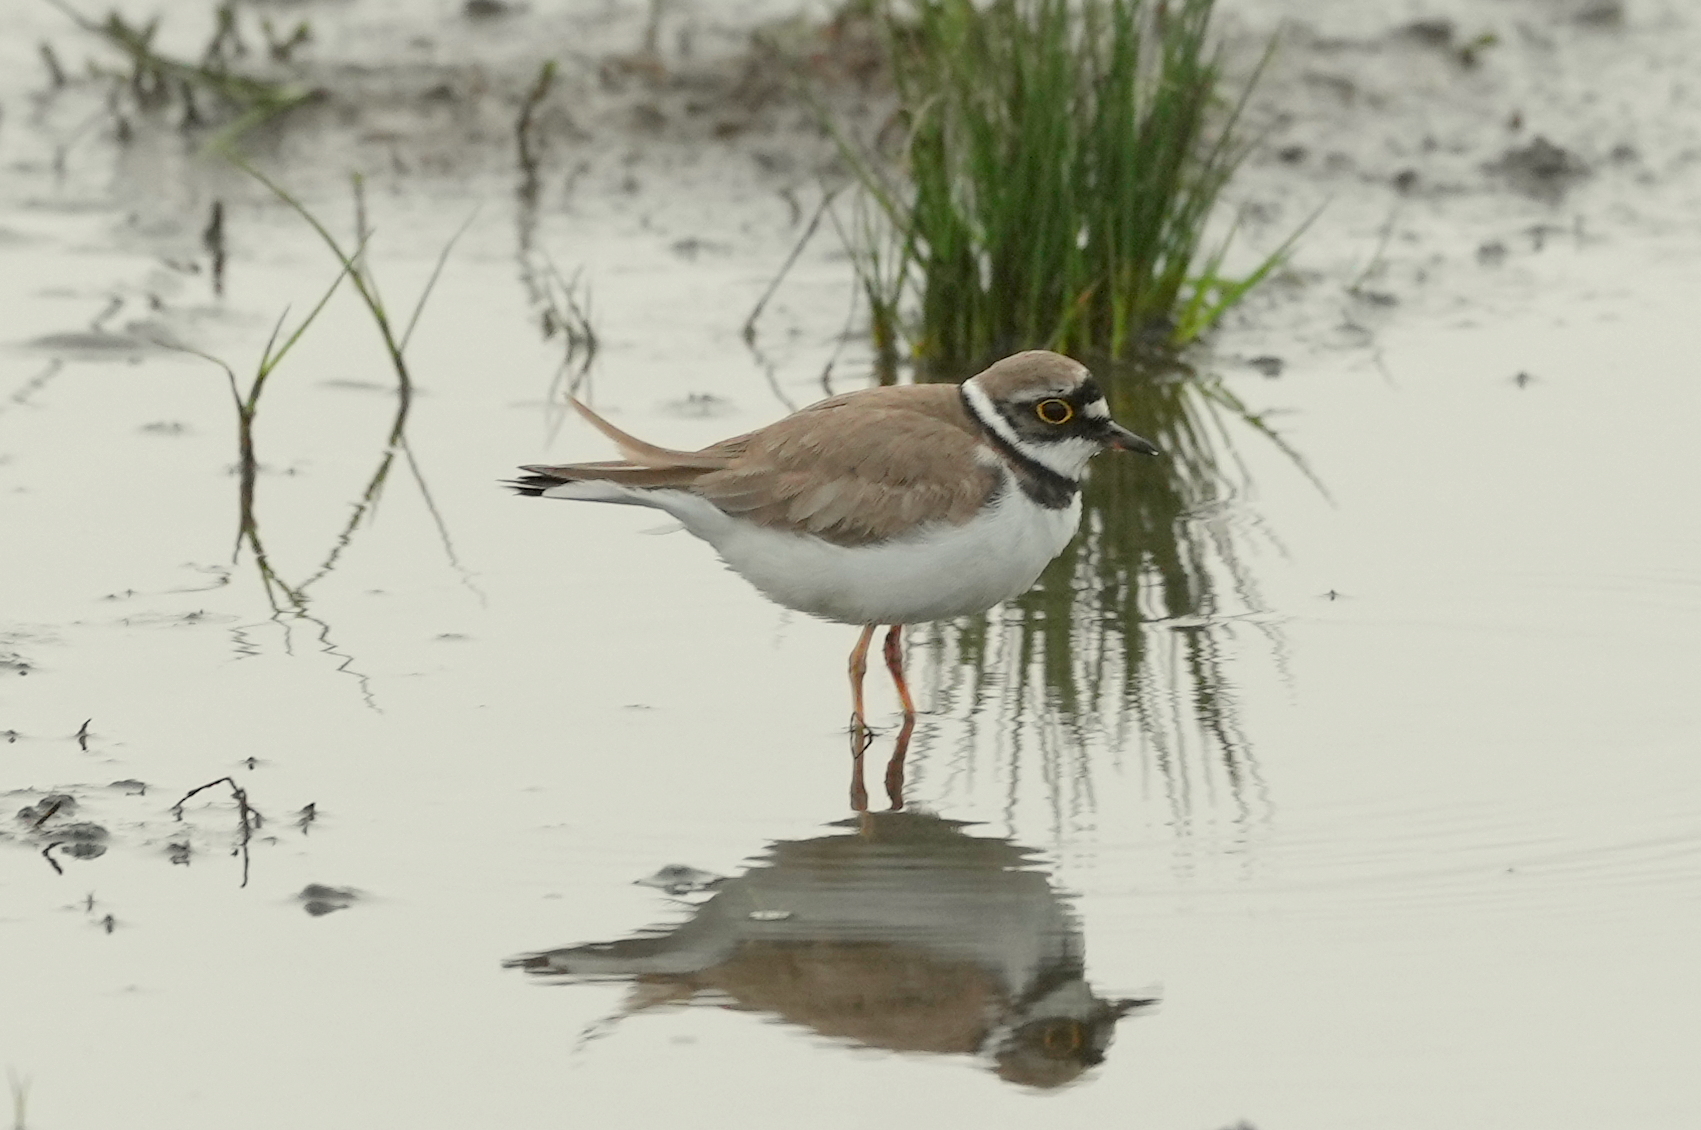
x=890, y=505
x=900, y=930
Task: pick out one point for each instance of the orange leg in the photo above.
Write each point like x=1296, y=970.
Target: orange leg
x=858, y=789
x=895, y=664
x=860, y=734
x=895, y=767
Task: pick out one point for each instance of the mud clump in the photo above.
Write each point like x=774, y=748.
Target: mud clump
x=43, y=810
x=319, y=900
x=81, y=841
x=1540, y=169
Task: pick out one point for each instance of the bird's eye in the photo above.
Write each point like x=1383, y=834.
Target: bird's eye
x=1062, y=1039
x=1055, y=411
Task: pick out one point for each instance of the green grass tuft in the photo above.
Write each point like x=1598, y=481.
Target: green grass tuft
x=1059, y=164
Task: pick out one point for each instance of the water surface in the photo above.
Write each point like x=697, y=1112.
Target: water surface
x=1379, y=788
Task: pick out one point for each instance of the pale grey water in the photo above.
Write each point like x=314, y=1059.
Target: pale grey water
x=1451, y=880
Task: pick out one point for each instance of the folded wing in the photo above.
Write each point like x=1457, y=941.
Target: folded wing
x=849, y=477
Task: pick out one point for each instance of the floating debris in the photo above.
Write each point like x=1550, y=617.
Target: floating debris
x=678, y=879
x=699, y=406
x=319, y=900
x=81, y=841
x=43, y=810
x=1540, y=169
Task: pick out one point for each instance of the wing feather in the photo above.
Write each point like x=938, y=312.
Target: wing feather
x=902, y=456
x=648, y=454
x=891, y=464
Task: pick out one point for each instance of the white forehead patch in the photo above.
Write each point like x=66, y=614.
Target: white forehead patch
x=1098, y=409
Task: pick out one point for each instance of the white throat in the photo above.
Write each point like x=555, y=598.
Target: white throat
x=1067, y=456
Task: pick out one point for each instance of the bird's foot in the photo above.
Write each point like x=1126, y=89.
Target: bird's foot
x=861, y=738
x=861, y=734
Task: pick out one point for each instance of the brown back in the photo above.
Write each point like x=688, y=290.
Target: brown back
x=855, y=469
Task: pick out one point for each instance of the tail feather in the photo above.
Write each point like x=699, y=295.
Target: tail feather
x=530, y=485
x=648, y=454
x=541, y=479
x=646, y=467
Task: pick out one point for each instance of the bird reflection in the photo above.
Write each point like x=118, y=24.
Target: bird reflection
x=899, y=932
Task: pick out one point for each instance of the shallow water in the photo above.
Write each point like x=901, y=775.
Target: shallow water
x=1436, y=864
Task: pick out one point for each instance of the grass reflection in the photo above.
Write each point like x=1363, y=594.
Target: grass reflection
x=289, y=601
x=1123, y=638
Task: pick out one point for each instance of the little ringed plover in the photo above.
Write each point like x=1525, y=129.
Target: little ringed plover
x=891, y=505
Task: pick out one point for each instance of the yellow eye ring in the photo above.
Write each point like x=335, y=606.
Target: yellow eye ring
x=1062, y=1039
x=1055, y=411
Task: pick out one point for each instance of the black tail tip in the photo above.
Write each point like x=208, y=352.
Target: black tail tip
x=530, y=485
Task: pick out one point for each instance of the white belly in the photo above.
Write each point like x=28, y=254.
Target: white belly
x=941, y=572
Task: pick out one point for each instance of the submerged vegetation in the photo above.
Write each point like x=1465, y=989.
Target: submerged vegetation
x=285, y=598
x=356, y=269
x=245, y=98
x=1058, y=166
